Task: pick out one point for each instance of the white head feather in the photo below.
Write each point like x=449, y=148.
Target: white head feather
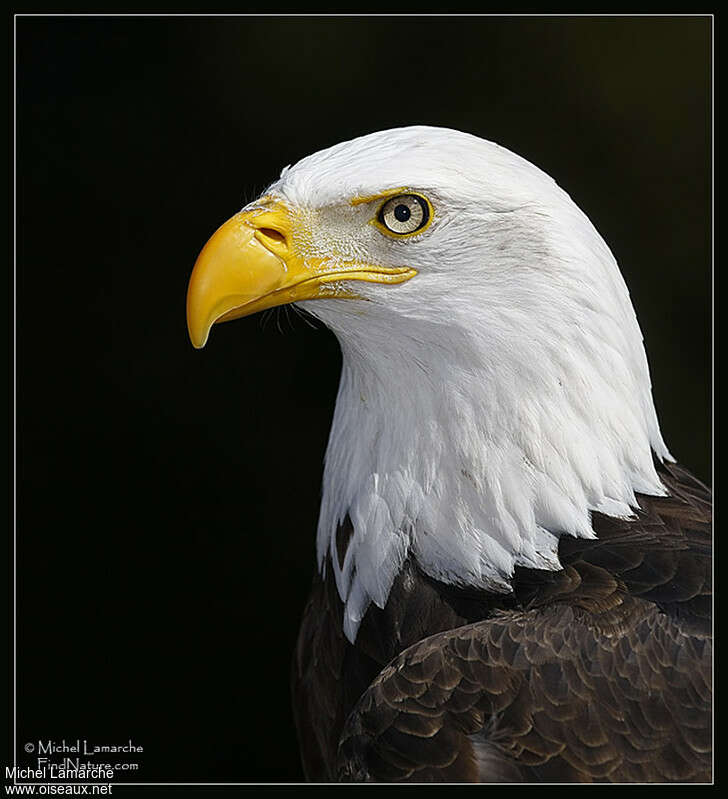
x=489, y=404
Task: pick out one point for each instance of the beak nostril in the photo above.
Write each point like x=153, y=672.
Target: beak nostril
x=270, y=233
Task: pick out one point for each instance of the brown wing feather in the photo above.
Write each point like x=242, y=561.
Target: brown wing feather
x=329, y=674
x=317, y=684
x=539, y=695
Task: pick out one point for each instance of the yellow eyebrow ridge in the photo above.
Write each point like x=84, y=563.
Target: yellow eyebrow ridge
x=361, y=200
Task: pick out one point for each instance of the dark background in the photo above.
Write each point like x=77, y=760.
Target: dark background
x=168, y=498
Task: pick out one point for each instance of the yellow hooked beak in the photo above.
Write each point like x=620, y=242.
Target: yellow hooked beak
x=251, y=263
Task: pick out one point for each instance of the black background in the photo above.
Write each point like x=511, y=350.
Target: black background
x=168, y=498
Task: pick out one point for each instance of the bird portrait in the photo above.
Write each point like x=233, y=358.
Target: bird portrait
x=513, y=571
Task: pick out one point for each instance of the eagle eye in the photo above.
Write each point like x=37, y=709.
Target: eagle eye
x=404, y=214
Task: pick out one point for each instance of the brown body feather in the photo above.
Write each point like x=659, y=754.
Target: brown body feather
x=598, y=672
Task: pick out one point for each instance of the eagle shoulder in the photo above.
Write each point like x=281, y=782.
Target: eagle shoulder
x=598, y=672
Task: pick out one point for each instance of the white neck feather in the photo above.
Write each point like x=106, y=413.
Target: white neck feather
x=472, y=441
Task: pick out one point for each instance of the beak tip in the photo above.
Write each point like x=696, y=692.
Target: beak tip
x=198, y=342
x=198, y=326
x=198, y=334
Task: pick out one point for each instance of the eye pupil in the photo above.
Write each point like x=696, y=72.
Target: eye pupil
x=402, y=213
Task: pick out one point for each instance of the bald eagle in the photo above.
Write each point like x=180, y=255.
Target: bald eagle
x=514, y=574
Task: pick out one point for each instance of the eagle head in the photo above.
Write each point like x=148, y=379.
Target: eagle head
x=494, y=390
